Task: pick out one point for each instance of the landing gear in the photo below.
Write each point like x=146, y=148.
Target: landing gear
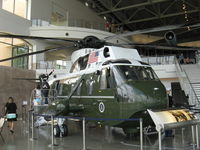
x=56, y=131
x=60, y=131
x=64, y=130
x=131, y=133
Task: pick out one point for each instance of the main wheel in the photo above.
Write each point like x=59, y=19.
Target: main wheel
x=56, y=131
x=65, y=130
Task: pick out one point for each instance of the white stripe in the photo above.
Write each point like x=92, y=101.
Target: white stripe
x=100, y=97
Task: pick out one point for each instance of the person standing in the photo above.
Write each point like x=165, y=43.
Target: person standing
x=45, y=90
x=37, y=96
x=11, y=113
x=181, y=59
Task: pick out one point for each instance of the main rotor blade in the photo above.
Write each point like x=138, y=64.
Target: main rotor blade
x=165, y=47
x=37, y=52
x=150, y=30
x=25, y=79
x=35, y=37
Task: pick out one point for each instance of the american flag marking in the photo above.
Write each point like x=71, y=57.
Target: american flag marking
x=93, y=57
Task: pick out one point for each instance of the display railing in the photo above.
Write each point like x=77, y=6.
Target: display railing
x=141, y=145
x=83, y=119
x=159, y=60
x=69, y=23
x=49, y=97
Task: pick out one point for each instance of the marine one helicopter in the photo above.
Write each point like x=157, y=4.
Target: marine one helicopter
x=105, y=81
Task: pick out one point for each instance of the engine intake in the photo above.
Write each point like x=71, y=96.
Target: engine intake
x=170, y=38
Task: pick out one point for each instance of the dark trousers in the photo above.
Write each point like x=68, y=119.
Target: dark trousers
x=45, y=94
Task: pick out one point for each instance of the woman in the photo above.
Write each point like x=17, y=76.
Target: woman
x=11, y=109
x=37, y=96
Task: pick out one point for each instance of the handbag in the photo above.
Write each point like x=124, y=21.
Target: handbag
x=11, y=116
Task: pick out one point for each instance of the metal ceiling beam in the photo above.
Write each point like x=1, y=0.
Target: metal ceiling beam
x=119, y=18
x=117, y=3
x=158, y=17
x=150, y=2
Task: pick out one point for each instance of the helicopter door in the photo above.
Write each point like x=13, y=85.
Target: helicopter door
x=105, y=101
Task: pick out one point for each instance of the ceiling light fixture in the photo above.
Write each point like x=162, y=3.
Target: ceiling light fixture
x=86, y=4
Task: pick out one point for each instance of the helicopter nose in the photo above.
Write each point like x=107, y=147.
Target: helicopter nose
x=51, y=112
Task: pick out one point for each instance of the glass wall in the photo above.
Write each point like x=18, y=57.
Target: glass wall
x=20, y=62
x=18, y=7
x=13, y=47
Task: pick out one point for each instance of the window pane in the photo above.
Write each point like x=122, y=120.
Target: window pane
x=21, y=8
x=8, y=5
x=18, y=42
x=6, y=50
x=20, y=62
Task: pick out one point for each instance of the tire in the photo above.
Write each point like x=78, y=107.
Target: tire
x=65, y=130
x=56, y=131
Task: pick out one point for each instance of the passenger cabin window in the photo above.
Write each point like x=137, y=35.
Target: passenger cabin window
x=61, y=88
x=106, y=79
x=78, y=91
x=79, y=64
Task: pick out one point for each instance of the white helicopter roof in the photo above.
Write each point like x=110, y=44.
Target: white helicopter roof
x=97, y=58
x=113, y=53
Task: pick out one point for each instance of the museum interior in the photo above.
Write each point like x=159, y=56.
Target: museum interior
x=99, y=74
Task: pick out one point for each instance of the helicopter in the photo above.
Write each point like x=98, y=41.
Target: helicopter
x=105, y=81
x=108, y=83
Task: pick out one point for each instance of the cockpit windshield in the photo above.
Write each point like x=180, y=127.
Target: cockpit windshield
x=129, y=73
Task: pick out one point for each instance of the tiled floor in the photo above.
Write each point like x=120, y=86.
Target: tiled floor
x=96, y=139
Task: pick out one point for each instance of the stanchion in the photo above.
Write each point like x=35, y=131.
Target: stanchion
x=182, y=136
x=52, y=133
x=32, y=128
x=28, y=126
x=141, y=134
x=193, y=136
x=159, y=138
x=84, y=134
x=197, y=136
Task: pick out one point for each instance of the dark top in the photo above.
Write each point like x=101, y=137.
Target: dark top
x=45, y=85
x=11, y=108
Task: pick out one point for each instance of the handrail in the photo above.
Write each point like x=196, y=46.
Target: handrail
x=180, y=70
x=159, y=60
x=192, y=87
x=178, y=64
x=195, y=83
x=51, y=96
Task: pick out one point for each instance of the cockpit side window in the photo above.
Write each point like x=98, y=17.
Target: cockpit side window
x=75, y=67
x=80, y=64
x=151, y=73
x=136, y=73
x=82, y=61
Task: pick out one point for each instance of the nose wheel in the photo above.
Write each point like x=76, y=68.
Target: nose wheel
x=60, y=131
x=56, y=131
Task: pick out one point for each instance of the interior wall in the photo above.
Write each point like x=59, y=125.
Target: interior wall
x=6, y=52
x=13, y=24
x=0, y=3
x=20, y=90
x=73, y=8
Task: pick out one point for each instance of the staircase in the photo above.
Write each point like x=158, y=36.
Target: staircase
x=189, y=78
x=193, y=73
